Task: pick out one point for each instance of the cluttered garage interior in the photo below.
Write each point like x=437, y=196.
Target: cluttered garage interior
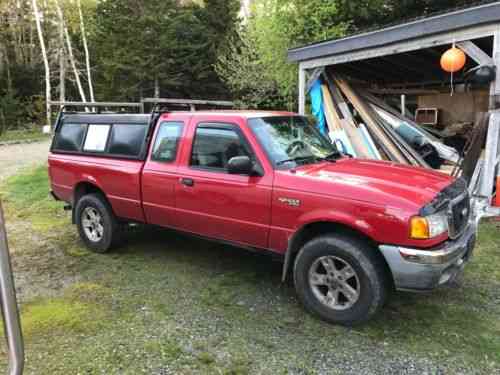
x=423, y=93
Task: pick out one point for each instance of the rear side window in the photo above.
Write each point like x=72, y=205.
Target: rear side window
x=118, y=140
x=167, y=141
x=214, y=147
x=127, y=139
x=70, y=137
x=97, y=138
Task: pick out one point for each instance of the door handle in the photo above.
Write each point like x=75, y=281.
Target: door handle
x=187, y=181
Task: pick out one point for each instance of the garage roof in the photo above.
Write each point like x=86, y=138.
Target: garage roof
x=448, y=22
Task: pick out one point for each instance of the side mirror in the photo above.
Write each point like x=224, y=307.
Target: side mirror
x=240, y=165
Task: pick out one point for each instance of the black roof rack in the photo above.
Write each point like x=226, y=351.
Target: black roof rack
x=96, y=107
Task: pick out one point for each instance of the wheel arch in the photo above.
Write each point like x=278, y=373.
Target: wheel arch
x=311, y=230
x=84, y=188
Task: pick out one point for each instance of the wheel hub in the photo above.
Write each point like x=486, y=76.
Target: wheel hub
x=334, y=282
x=92, y=224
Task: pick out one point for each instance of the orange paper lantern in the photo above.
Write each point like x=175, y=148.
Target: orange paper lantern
x=453, y=60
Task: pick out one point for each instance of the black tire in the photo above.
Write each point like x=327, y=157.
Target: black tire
x=110, y=227
x=370, y=280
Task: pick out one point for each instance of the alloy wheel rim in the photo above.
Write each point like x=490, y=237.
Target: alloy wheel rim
x=92, y=224
x=334, y=282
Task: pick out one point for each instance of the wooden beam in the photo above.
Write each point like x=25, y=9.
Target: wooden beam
x=313, y=77
x=491, y=152
x=402, y=91
x=495, y=85
x=302, y=90
x=475, y=53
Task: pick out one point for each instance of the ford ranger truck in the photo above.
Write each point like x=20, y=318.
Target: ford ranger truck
x=349, y=230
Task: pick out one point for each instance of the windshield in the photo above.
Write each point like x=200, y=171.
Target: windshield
x=291, y=141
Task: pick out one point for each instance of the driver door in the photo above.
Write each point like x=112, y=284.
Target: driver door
x=214, y=203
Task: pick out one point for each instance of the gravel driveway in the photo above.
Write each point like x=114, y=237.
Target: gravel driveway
x=15, y=157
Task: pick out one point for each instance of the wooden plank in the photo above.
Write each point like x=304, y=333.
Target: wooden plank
x=490, y=155
x=381, y=138
x=339, y=100
x=412, y=155
x=350, y=128
x=331, y=115
x=475, y=53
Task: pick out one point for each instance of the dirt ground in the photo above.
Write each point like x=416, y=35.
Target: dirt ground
x=16, y=157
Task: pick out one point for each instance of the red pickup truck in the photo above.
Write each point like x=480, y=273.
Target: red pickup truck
x=349, y=230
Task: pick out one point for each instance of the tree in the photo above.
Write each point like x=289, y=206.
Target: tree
x=69, y=48
x=45, y=61
x=169, y=49
x=275, y=26
x=368, y=14
x=86, y=49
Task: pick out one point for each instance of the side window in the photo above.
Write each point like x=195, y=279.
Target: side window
x=97, y=138
x=213, y=147
x=70, y=137
x=127, y=139
x=167, y=141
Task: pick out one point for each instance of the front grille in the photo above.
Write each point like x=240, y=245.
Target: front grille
x=458, y=215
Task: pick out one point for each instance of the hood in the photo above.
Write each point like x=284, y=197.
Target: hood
x=378, y=182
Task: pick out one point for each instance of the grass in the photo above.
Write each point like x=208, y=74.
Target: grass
x=22, y=135
x=164, y=303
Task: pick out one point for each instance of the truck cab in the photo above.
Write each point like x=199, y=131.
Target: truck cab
x=349, y=230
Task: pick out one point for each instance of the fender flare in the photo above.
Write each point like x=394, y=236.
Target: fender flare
x=342, y=220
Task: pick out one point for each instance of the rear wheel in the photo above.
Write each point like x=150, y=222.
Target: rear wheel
x=340, y=279
x=97, y=225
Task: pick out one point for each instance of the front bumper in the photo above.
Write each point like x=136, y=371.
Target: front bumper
x=415, y=269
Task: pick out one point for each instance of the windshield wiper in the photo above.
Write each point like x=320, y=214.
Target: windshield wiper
x=296, y=159
x=332, y=156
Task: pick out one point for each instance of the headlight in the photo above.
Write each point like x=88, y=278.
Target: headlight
x=426, y=227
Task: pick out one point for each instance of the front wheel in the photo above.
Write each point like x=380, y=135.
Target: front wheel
x=97, y=225
x=340, y=279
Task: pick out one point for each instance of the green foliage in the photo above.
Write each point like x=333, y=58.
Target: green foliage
x=375, y=13
x=257, y=70
x=190, y=48
x=171, y=43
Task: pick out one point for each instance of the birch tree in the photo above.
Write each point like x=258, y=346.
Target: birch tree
x=86, y=49
x=70, y=52
x=45, y=60
x=62, y=64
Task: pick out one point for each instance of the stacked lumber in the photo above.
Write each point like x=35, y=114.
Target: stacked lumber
x=365, y=127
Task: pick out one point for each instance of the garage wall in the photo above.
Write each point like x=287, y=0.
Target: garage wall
x=461, y=107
